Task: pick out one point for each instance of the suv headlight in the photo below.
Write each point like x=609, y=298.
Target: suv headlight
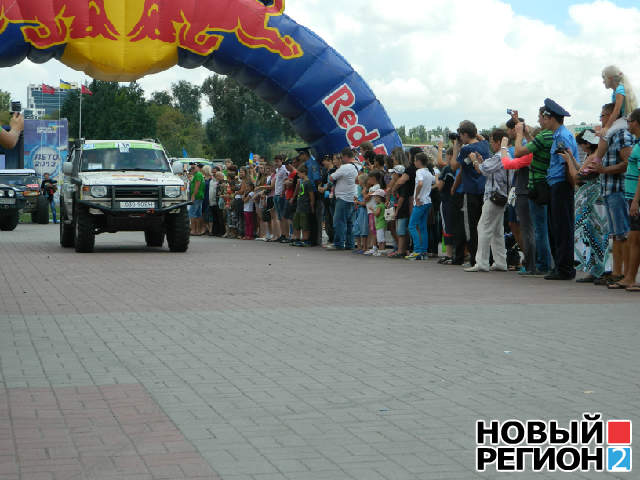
x=172, y=191
x=11, y=193
x=99, y=191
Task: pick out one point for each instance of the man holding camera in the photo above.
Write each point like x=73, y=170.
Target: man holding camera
x=468, y=190
x=9, y=139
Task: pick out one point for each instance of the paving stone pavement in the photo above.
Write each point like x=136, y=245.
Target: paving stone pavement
x=252, y=361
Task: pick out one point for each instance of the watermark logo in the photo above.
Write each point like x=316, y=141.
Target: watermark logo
x=545, y=446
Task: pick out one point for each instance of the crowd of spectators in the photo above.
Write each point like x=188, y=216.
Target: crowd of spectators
x=535, y=199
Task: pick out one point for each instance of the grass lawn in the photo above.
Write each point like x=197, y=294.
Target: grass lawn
x=26, y=217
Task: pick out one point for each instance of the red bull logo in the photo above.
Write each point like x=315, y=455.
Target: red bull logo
x=201, y=32
x=339, y=104
x=57, y=22
x=195, y=25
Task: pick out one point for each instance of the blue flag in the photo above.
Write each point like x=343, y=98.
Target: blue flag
x=184, y=153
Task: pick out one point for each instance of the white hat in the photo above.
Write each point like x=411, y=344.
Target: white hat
x=399, y=169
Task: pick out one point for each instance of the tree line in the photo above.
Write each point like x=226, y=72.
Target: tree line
x=241, y=121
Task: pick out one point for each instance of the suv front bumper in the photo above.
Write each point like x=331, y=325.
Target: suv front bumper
x=113, y=209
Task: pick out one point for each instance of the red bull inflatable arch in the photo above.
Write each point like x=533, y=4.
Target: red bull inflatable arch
x=253, y=41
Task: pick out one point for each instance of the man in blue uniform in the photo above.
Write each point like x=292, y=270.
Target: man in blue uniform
x=561, y=207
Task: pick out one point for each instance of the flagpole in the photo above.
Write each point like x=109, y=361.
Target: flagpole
x=80, y=127
x=59, y=107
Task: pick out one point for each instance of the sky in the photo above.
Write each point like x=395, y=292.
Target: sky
x=437, y=62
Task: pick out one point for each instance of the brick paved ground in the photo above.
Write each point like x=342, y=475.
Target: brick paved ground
x=264, y=362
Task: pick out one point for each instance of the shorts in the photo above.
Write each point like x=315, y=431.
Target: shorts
x=372, y=224
x=290, y=210
x=512, y=216
x=211, y=213
x=301, y=221
x=401, y=226
x=280, y=205
x=634, y=222
x=380, y=235
x=195, y=209
x=361, y=225
x=618, y=215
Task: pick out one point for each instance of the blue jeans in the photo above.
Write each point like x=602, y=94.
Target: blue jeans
x=343, y=224
x=52, y=205
x=541, y=227
x=418, y=222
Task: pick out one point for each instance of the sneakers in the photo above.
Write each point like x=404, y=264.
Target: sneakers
x=358, y=252
x=285, y=240
x=333, y=247
x=371, y=252
x=475, y=268
x=415, y=256
x=558, y=276
x=498, y=268
x=377, y=254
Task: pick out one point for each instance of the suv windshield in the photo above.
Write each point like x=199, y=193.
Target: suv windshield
x=19, y=180
x=123, y=157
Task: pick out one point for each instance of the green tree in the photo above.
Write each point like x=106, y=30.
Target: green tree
x=5, y=101
x=242, y=122
x=112, y=112
x=402, y=133
x=162, y=98
x=419, y=134
x=177, y=132
x=5, y=107
x=187, y=98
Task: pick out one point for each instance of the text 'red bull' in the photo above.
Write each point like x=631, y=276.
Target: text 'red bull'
x=51, y=23
x=339, y=104
x=197, y=25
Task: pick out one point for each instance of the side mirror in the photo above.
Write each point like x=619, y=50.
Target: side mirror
x=67, y=168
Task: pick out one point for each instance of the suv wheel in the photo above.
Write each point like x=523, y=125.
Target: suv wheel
x=154, y=237
x=67, y=232
x=178, y=230
x=9, y=222
x=41, y=215
x=85, y=234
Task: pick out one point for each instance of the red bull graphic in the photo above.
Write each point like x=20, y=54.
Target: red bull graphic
x=329, y=104
x=199, y=29
x=339, y=103
x=55, y=23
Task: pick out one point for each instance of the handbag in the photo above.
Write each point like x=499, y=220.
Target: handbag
x=496, y=197
x=389, y=214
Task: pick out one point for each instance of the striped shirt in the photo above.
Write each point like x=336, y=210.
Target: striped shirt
x=631, y=177
x=615, y=183
x=541, y=149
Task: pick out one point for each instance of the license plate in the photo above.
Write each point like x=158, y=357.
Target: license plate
x=137, y=205
x=7, y=201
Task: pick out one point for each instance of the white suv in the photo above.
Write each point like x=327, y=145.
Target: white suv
x=122, y=185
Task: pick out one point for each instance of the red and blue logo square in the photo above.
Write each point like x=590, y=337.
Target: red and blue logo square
x=619, y=449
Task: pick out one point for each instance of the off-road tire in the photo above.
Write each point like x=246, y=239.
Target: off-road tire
x=9, y=222
x=154, y=237
x=67, y=232
x=178, y=234
x=85, y=234
x=41, y=215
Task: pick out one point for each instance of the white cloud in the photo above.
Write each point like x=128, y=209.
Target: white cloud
x=441, y=61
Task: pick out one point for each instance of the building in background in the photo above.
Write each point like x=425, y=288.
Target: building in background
x=41, y=104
